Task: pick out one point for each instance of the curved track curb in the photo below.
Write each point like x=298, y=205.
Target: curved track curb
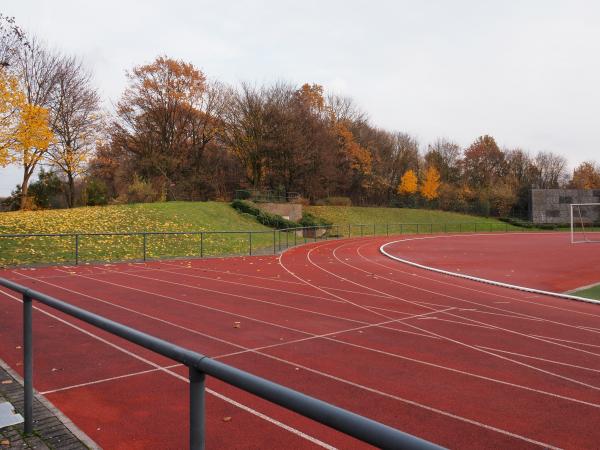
x=478, y=279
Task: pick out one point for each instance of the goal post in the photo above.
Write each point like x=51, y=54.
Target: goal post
x=585, y=222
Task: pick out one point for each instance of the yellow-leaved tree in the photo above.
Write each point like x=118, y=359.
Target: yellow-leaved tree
x=24, y=130
x=408, y=183
x=431, y=185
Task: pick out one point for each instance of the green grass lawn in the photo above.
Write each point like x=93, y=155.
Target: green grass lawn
x=592, y=292
x=195, y=217
x=149, y=217
x=403, y=220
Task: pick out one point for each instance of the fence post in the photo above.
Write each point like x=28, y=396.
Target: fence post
x=475, y=227
x=274, y=243
x=28, y=363
x=349, y=230
x=387, y=229
x=295, y=236
x=76, y=249
x=417, y=228
x=201, y=245
x=287, y=239
x=250, y=243
x=374, y=229
x=197, y=409
x=145, y=237
x=362, y=227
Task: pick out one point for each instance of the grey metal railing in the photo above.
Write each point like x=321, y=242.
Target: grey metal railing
x=359, y=427
x=202, y=243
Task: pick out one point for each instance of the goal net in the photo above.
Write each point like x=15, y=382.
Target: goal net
x=585, y=222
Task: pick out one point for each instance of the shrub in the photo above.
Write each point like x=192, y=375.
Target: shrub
x=96, y=193
x=267, y=219
x=140, y=191
x=243, y=194
x=309, y=220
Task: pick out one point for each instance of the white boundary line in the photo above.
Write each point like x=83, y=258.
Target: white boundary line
x=478, y=279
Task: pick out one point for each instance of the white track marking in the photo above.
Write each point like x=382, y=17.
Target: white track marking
x=540, y=359
x=176, y=375
x=566, y=340
x=537, y=292
x=324, y=374
x=104, y=380
x=464, y=344
x=325, y=336
x=482, y=280
x=463, y=299
x=438, y=280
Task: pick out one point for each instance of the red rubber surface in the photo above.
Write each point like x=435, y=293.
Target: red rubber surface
x=546, y=261
x=460, y=363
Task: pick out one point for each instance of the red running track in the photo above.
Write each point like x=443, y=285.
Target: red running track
x=460, y=363
x=546, y=261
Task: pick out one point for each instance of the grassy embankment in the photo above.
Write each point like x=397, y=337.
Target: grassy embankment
x=191, y=217
x=403, y=220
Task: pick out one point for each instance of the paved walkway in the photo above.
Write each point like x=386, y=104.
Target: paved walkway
x=52, y=430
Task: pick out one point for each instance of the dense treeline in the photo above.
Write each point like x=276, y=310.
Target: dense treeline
x=177, y=135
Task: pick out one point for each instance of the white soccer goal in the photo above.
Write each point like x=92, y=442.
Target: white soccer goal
x=585, y=222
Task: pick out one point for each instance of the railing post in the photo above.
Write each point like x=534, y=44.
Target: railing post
x=295, y=236
x=76, y=249
x=197, y=409
x=274, y=243
x=287, y=239
x=250, y=243
x=28, y=363
x=349, y=230
x=362, y=227
x=387, y=229
x=201, y=245
x=145, y=239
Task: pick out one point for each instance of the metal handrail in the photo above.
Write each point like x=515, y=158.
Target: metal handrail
x=357, y=426
x=341, y=230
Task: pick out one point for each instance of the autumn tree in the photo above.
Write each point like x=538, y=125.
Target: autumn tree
x=483, y=163
x=408, y=183
x=37, y=69
x=446, y=156
x=166, y=118
x=77, y=122
x=431, y=184
x=24, y=131
x=586, y=176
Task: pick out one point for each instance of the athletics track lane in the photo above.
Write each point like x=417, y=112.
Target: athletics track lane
x=419, y=374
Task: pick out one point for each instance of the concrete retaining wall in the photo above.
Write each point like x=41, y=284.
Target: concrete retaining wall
x=290, y=211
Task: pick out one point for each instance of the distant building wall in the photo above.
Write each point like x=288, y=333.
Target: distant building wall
x=552, y=205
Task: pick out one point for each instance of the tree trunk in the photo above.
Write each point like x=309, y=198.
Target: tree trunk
x=25, y=187
x=71, y=191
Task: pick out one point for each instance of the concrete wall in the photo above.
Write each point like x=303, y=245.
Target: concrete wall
x=290, y=211
x=552, y=205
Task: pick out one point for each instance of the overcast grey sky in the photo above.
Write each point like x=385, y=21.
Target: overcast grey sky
x=526, y=72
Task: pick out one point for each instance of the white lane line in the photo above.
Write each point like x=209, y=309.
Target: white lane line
x=104, y=380
x=475, y=303
x=439, y=280
x=464, y=344
x=541, y=359
x=478, y=279
x=176, y=375
x=338, y=341
x=425, y=406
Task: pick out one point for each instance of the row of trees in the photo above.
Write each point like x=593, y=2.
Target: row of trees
x=175, y=134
